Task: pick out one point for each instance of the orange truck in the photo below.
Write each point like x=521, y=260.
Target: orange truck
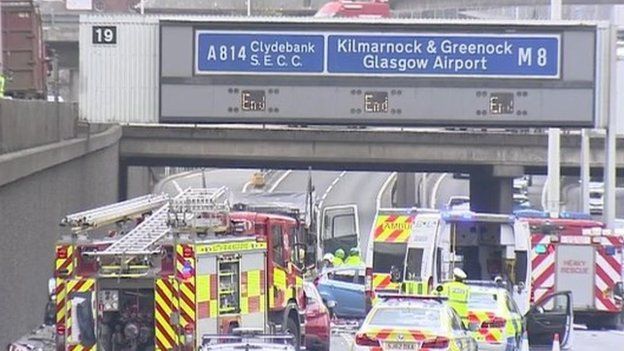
x=191, y=267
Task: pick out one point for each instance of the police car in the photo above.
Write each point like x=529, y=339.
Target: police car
x=494, y=319
x=399, y=322
x=498, y=325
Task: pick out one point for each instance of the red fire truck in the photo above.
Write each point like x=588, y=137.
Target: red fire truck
x=191, y=267
x=583, y=257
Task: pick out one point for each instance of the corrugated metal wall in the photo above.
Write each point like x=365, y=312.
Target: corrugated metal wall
x=119, y=82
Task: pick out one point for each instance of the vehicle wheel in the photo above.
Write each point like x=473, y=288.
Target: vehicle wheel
x=610, y=322
x=594, y=325
x=293, y=328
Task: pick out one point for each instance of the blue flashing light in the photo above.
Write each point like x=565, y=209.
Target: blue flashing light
x=609, y=250
x=531, y=214
x=458, y=215
x=575, y=215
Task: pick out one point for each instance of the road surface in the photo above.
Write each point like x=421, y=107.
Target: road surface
x=584, y=340
x=334, y=188
x=234, y=179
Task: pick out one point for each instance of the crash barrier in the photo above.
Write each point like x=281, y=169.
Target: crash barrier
x=29, y=123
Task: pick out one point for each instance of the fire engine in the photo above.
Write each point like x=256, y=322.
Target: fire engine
x=415, y=250
x=191, y=267
x=583, y=257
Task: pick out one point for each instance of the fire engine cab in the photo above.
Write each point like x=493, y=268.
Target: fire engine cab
x=583, y=257
x=190, y=267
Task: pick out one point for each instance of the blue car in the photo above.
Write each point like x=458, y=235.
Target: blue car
x=343, y=287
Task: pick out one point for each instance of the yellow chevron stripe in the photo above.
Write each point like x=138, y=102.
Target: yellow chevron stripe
x=68, y=321
x=401, y=223
x=87, y=286
x=164, y=323
x=162, y=304
x=188, y=309
x=184, y=289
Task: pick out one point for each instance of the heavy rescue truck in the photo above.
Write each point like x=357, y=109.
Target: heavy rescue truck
x=191, y=267
x=583, y=257
x=415, y=250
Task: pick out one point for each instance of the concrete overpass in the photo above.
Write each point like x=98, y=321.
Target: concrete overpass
x=371, y=149
x=493, y=159
x=467, y=4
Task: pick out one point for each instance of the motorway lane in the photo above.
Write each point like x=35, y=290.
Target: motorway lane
x=335, y=188
x=298, y=180
x=447, y=187
x=232, y=178
x=584, y=340
x=572, y=194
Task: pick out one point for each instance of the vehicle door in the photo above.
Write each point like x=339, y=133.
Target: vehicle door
x=514, y=325
x=462, y=337
x=549, y=316
x=345, y=288
x=340, y=228
x=521, y=291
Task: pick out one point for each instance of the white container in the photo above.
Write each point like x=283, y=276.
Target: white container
x=119, y=82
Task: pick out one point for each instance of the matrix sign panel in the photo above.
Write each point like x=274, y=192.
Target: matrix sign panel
x=351, y=73
x=456, y=55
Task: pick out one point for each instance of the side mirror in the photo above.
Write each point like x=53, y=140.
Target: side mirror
x=331, y=304
x=618, y=290
x=473, y=327
x=521, y=287
x=51, y=287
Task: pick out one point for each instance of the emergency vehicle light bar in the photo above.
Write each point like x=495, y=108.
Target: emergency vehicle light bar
x=109, y=214
x=459, y=216
x=200, y=200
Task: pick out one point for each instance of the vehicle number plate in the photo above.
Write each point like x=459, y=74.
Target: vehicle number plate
x=395, y=346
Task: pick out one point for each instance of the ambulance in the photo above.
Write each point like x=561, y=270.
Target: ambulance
x=415, y=250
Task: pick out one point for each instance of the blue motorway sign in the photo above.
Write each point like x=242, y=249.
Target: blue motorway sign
x=450, y=55
x=457, y=55
x=248, y=52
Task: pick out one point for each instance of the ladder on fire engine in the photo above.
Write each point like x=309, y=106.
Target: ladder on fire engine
x=143, y=239
x=113, y=213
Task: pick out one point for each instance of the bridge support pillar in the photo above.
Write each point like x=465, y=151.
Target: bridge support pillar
x=405, y=190
x=491, y=189
x=122, y=188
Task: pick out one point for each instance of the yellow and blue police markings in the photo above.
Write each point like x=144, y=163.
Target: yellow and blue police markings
x=494, y=319
x=431, y=325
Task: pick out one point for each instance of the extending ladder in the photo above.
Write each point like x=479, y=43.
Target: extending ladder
x=143, y=238
x=110, y=214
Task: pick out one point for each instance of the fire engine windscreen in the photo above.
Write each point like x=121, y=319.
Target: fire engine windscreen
x=128, y=322
x=389, y=258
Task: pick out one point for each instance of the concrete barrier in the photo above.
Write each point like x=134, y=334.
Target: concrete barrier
x=38, y=186
x=29, y=123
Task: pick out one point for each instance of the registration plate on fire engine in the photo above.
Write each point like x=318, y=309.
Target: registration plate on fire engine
x=396, y=346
